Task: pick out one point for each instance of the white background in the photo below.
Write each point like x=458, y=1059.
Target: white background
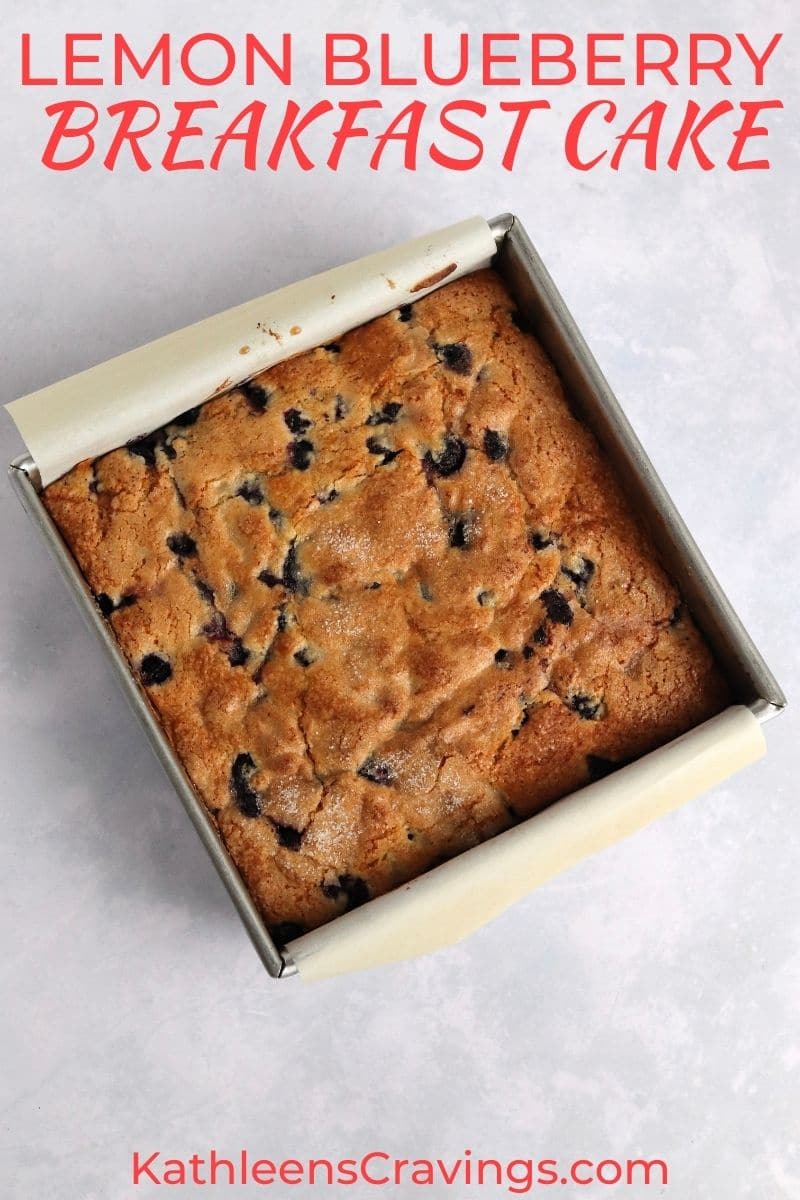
x=647, y=1002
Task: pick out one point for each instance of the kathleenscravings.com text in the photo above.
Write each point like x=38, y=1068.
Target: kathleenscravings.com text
x=378, y=1169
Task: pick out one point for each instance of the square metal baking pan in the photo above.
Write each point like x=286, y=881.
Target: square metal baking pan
x=537, y=299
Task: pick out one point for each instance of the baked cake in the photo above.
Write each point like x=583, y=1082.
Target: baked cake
x=387, y=598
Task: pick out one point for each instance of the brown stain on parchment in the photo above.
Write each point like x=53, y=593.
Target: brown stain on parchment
x=431, y=280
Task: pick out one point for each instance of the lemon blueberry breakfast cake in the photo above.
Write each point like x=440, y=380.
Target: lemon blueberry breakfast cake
x=387, y=599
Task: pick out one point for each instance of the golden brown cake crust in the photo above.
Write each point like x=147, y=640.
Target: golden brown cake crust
x=387, y=598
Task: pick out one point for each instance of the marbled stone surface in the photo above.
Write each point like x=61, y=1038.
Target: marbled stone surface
x=647, y=1002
